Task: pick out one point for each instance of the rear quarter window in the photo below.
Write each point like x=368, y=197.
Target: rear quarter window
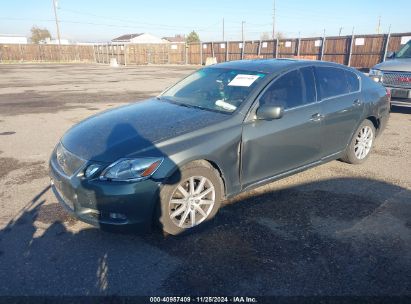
x=331, y=82
x=353, y=81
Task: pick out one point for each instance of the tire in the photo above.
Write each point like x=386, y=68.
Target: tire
x=353, y=154
x=185, y=205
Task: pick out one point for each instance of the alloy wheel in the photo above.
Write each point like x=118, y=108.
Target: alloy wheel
x=192, y=202
x=363, y=142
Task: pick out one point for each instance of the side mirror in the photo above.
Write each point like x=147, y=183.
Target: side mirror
x=268, y=112
x=390, y=55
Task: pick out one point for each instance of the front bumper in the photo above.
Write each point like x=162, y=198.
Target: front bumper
x=400, y=96
x=102, y=203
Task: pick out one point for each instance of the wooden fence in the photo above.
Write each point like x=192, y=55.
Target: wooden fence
x=360, y=51
x=128, y=54
x=46, y=53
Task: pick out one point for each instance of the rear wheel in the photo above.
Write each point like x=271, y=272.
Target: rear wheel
x=361, y=144
x=192, y=198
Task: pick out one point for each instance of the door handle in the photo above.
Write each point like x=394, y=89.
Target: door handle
x=357, y=103
x=316, y=117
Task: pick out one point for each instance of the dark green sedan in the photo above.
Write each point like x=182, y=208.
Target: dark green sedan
x=224, y=129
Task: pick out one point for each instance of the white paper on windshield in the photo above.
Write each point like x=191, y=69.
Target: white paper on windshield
x=225, y=105
x=243, y=80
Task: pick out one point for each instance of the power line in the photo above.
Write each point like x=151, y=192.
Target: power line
x=103, y=24
x=137, y=23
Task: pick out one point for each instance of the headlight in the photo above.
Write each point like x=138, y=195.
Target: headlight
x=374, y=72
x=131, y=169
x=91, y=170
x=375, y=75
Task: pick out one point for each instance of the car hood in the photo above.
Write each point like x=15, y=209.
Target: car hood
x=118, y=133
x=400, y=65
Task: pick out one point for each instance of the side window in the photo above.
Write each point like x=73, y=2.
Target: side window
x=353, y=81
x=309, y=84
x=287, y=91
x=331, y=81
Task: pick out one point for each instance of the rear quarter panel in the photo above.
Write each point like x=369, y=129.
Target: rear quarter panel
x=376, y=102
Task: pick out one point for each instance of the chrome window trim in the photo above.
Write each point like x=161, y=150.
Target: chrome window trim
x=252, y=112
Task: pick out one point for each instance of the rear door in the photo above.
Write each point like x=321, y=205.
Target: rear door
x=271, y=147
x=341, y=106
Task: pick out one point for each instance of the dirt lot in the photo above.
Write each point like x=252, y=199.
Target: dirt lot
x=333, y=230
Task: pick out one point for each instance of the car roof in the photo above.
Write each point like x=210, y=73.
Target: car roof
x=271, y=66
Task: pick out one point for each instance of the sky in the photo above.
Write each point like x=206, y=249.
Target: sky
x=103, y=20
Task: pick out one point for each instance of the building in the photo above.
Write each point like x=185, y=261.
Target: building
x=6, y=39
x=176, y=39
x=137, y=38
x=54, y=41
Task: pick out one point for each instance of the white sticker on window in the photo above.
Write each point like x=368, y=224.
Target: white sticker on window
x=265, y=44
x=405, y=39
x=288, y=44
x=243, y=80
x=225, y=105
x=318, y=43
x=222, y=45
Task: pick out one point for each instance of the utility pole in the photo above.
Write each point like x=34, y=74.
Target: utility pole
x=223, y=28
x=273, y=20
x=387, y=42
x=351, y=45
x=242, y=31
x=57, y=21
x=378, y=24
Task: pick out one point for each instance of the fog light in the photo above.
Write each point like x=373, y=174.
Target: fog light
x=117, y=216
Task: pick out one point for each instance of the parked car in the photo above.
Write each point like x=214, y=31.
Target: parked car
x=395, y=74
x=222, y=130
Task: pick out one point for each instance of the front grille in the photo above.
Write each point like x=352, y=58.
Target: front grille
x=397, y=79
x=67, y=161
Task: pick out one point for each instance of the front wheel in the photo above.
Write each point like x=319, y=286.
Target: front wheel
x=361, y=144
x=191, y=198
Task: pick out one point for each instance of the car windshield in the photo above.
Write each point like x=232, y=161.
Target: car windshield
x=215, y=89
x=405, y=51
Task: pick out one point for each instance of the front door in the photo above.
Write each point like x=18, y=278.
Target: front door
x=271, y=147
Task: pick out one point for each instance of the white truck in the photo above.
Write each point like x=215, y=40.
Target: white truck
x=395, y=75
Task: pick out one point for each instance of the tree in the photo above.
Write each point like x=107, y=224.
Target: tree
x=192, y=37
x=265, y=36
x=38, y=34
x=279, y=35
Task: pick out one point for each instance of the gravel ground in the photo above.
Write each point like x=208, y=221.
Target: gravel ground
x=336, y=229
